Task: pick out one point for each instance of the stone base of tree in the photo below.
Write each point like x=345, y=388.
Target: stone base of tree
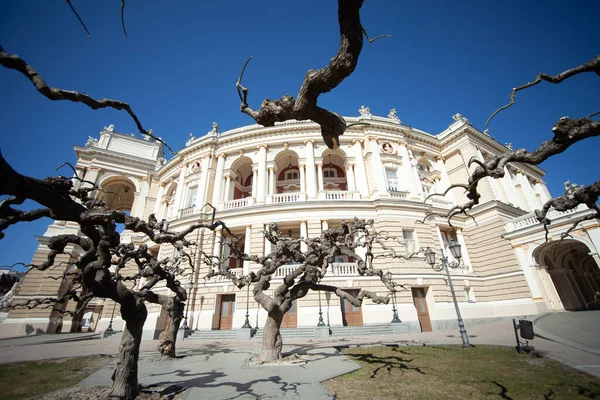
x=322, y=332
x=244, y=334
x=399, y=328
x=181, y=334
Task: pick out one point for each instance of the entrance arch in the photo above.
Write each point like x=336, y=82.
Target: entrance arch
x=574, y=272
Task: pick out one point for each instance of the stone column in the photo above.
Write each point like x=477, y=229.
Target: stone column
x=302, y=178
x=304, y=235
x=218, y=187
x=226, y=191
x=445, y=179
x=180, y=189
x=203, y=184
x=361, y=172
x=91, y=176
x=320, y=176
x=158, y=204
x=378, y=174
x=267, y=243
x=217, y=247
x=464, y=250
x=538, y=189
x=262, y=174
x=254, y=184
x=527, y=191
x=247, y=238
x=350, y=177
x=271, y=180
x=311, y=175
x=490, y=181
x=509, y=188
x=407, y=179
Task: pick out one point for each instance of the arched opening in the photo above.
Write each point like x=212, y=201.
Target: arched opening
x=334, y=177
x=573, y=271
x=118, y=194
x=170, y=209
x=288, y=178
x=242, y=179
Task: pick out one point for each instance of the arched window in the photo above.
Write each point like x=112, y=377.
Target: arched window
x=290, y=175
x=329, y=173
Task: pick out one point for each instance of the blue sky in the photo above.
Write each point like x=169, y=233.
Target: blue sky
x=179, y=65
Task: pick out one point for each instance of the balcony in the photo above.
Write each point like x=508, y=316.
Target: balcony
x=338, y=195
x=529, y=219
x=238, y=203
x=290, y=197
x=335, y=269
x=398, y=194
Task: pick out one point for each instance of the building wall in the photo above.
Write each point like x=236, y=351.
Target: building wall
x=492, y=272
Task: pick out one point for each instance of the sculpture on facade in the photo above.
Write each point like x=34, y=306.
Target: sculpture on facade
x=91, y=142
x=459, y=117
x=109, y=128
x=364, y=111
x=394, y=116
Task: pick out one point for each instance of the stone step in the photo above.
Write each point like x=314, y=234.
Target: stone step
x=213, y=334
x=290, y=332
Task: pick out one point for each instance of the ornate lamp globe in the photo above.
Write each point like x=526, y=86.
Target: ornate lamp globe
x=388, y=275
x=430, y=256
x=455, y=249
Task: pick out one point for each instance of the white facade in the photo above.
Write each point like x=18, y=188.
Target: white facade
x=384, y=171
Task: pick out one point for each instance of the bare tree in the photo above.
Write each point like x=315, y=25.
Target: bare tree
x=309, y=267
x=103, y=256
x=567, y=131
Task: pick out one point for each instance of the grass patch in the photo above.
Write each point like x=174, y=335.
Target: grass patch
x=451, y=372
x=26, y=379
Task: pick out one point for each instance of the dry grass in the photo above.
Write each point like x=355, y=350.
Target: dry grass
x=27, y=379
x=451, y=372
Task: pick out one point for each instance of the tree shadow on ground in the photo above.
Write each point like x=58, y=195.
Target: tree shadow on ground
x=208, y=381
x=387, y=363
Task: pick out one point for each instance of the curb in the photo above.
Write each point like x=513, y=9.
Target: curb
x=548, y=336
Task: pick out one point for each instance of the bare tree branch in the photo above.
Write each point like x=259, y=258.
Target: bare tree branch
x=591, y=66
x=17, y=63
x=317, y=82
x=78, y=18
x=123, y=17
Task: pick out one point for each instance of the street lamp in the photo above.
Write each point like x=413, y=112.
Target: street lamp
x=247, y=321
x=189, y=287
x=110, y=328
x=395, y=319
x=321, y=322
x=456, y=253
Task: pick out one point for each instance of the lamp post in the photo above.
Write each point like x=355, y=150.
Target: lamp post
x=321, y=322
x=456, y=253
x=110, y=328
x=247, y=321
x=395, y=318
x=189, y=287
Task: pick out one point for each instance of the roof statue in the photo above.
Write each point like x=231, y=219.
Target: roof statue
x=110, y=128
x=364, y=111
x=459, y=117
x=393, y=115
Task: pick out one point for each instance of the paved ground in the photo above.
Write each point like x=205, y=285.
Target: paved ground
x=216, y=369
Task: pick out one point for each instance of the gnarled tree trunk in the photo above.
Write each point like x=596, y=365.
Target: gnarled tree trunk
x=167, y=338
x=125, y=378
x=272, y=342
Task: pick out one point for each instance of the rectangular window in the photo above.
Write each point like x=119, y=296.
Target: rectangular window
x=410, y=241
x=191, y=197
x=392, y=179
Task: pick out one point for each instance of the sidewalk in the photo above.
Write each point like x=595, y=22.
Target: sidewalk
x=216, y=369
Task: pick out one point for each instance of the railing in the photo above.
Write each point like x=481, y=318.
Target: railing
x=529, y=219
x=288, y=197
x=220, y=278
x=285, y=270
x=338, y=195
x=237, y=203
x=186, y=212
x=398, y=194
x=344, y=269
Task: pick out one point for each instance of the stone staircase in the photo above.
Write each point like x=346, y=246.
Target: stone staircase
x=290, y=333
x=304, y=332
x=213, y=335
